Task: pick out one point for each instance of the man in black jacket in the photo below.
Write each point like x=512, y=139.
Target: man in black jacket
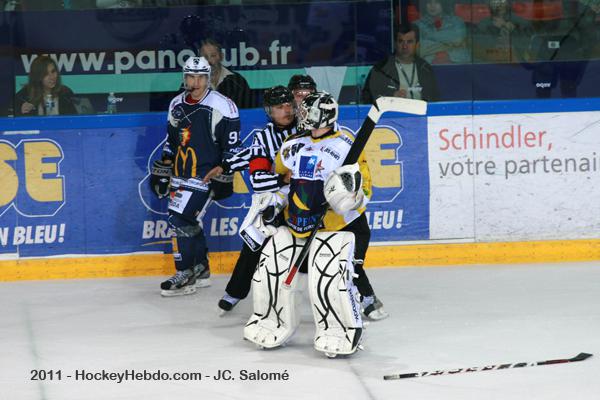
x=403, y=74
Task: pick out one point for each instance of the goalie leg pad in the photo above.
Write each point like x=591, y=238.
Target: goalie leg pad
x=276, y=315
x=333, y=295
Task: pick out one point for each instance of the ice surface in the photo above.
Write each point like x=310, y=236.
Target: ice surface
x=441, y=318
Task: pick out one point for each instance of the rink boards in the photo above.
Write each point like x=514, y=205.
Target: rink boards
x=483, y=182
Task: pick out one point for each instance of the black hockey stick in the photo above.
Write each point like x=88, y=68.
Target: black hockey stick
x=382, y=105
x=579, y=357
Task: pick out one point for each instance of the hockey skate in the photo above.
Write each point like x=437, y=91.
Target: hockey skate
x=373, y=308
x=227, y=303
x=182, y=283
x=202, y=275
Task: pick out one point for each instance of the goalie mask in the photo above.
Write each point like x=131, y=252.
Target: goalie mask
x=275, y=96
x=317, y=110
x=196, y=66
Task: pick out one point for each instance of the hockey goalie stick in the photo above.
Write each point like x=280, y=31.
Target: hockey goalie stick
x=579, y=357
x=382, y=105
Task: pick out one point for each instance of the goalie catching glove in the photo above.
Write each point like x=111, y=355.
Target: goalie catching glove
x=343, y=189
x=160, y=177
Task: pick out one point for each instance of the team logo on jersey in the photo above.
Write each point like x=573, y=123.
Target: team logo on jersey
x=307, y=166
x=185, y=135
x=181, y=162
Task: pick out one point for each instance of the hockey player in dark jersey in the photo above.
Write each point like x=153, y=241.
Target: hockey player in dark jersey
x=259, y=158
x=203, y=130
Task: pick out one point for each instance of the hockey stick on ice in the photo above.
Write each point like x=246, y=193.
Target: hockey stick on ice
x=579, y=357
x=382, y=105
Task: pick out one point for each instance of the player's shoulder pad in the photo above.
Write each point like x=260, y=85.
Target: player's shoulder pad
x=297, y=135
x=346, y=136
x=176, y=100
x=221, y=103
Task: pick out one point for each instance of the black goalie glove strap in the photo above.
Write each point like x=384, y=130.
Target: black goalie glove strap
x=222, y=186
x=160, y=177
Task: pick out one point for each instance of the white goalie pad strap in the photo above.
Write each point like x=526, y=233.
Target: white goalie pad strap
x=276, y=315
x=333, y=296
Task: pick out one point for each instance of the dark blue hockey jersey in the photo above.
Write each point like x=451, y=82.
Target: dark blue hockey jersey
x=200, y=136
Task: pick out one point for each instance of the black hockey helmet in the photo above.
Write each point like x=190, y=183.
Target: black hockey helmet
x=302, y=82
x=317, y=110
x=277, y=95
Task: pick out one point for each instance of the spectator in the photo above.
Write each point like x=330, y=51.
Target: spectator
x=403, y=74
x=228, y=83
x=44, y=80
x=501, y=36
x=443, y=36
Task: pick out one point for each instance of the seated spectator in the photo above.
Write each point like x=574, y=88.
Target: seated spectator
x=443, y=35
x=501, y=37
x=403, y=74
x=226, y=82
x=44, y=80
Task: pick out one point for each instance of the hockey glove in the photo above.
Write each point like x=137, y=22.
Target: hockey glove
x=160, y=178
x=254, y=229
x=222, y=186
x=343, y=189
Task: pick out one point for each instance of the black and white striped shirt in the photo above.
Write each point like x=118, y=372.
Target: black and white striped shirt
x=260, y=157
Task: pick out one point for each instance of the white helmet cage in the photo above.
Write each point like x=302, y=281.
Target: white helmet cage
x=196, y=66
x=317, y=110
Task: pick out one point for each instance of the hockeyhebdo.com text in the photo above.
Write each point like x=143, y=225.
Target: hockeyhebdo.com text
x=119, y=62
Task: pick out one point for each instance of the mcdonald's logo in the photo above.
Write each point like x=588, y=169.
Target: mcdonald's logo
x=181, y=162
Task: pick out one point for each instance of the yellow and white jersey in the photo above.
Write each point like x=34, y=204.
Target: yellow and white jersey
x=311, y=161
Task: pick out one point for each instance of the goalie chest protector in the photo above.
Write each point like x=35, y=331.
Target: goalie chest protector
x=311, y=161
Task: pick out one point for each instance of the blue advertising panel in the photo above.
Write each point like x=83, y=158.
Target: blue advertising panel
x=80, y=185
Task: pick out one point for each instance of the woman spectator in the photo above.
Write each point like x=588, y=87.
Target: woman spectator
x=44, y=84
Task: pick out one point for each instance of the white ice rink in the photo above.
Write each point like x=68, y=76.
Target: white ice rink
x=441, y=318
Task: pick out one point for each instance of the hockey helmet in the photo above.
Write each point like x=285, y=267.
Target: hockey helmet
x=317, y=110
x=277, y=95
x=196, y=66
x=305, y=82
